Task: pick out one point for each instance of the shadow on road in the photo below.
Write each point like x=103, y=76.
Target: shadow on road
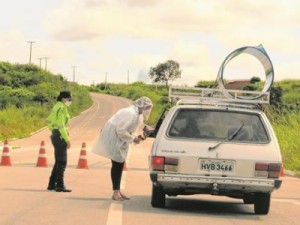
x=184, y=206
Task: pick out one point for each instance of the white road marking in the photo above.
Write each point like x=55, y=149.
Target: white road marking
x=115, y=213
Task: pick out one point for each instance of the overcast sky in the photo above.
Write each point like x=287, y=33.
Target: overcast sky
x=118, y=38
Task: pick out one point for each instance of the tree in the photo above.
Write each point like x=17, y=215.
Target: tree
x=254, y=80
x=164, y=72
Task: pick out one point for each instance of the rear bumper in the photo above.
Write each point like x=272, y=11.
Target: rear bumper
x=204, y=184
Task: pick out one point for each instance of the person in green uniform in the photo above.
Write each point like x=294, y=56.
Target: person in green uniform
x=57, y=122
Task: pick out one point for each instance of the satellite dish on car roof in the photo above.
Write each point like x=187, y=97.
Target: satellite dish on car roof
x=258, y=52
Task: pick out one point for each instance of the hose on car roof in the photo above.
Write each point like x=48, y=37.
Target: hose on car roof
x=258, y=52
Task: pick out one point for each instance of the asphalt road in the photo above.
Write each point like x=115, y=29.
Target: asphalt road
x=25, y=200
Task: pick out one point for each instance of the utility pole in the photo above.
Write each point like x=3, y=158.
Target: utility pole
x=74, y=73
x=128, y=77
x=46, y=58
x=40, y=59
x=30, y=42
x=105, y=81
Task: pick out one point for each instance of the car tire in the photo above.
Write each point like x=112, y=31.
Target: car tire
x=249, y=198
x=158, y=198
x=262, y=203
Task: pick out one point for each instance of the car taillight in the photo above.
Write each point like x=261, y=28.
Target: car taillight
x=270, y=170
x=158, y=163
x=274, y=170
x=171, y=164
x=168, y=164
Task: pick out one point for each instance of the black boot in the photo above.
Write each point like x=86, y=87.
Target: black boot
x=60, y=187
x=50, y=188
x=52, y=179
x=51, y=184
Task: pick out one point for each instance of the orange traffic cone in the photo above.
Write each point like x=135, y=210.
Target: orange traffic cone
x=5, y=160
x=82, y=162
x=42, y=159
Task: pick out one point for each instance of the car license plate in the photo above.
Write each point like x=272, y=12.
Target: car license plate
x=217, y=166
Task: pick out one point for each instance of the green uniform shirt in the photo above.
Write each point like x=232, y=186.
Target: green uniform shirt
x=59, y=119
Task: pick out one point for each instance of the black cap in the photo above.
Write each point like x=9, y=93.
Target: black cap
x=64, y=94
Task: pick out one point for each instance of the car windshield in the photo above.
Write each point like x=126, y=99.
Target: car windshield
x=217, y=125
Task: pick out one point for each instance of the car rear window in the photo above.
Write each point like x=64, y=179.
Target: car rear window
x=218, y=125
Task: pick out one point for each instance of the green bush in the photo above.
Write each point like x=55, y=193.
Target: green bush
x=28, y=93
x=23, y=122
x=287, y=129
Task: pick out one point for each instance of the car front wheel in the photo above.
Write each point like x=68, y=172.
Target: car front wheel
x=158, y=198
x=262, y=203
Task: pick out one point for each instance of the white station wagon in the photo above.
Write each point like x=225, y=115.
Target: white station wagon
x=216, y=142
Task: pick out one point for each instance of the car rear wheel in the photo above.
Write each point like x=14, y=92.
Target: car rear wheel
x=249, y=198
x=158, y=198
x=262, y=203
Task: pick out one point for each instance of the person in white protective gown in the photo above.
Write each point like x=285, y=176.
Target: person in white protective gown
x=116, y=135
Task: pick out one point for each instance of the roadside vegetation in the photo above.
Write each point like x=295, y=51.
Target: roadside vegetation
x=27, y=94
x=286, y=123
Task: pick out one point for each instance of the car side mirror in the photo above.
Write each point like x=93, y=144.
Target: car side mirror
x=150, y=133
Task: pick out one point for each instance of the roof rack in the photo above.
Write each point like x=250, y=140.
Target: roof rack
x=191, y=95
x=220, y=104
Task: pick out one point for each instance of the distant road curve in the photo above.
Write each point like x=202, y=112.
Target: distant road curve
x=83, y=128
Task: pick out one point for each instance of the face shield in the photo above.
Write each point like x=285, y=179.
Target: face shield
x=146, y=112
x=145, y=105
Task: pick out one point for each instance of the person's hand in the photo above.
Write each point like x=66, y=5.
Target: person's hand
x=145, y=132
x=68, y=144
x=136, y=140
x=141, y=137
x=145, y=129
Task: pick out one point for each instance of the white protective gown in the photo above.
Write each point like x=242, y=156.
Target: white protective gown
x=117, y=133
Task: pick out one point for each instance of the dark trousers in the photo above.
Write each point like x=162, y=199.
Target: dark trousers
x=116, y=174
x=60, y=153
